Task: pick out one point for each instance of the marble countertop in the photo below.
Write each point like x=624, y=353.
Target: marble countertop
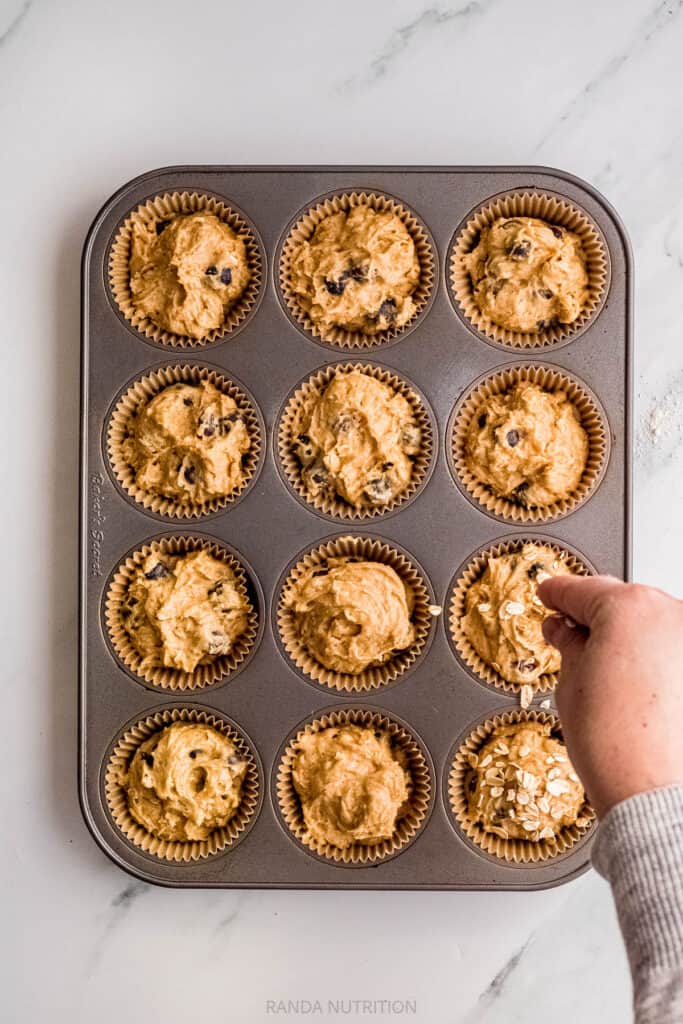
x=93, y=93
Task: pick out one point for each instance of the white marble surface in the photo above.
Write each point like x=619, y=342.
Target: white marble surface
x=92, y=93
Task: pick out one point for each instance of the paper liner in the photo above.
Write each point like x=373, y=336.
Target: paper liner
x=593, y=421
x=164, y=207
x=468, y=575
x=412, y=816
x=302, y=231
x=515, y=851
x=142, y=391
x=360, y=549
x=336, y=507
x=222, y=839
x=554, y=209
x=170, y=678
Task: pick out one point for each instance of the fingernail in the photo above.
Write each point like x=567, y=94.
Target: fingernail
x=569, y=622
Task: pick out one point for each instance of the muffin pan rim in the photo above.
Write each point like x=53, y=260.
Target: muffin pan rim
x=356, y=527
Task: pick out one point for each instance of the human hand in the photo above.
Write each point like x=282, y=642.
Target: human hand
x=620, y=695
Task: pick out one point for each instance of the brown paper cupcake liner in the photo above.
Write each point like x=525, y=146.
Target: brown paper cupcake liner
x=335, y=506
x=412, y=816
x=170, y=678
x=593, y=421
x=359, y=549
x=514, y=851
x=554, y=209
x=164, y=207
x=142, y=391
x=303, y=229
x=469, y=574
x=222, y=839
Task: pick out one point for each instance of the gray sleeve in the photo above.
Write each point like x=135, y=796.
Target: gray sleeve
x=639, y=850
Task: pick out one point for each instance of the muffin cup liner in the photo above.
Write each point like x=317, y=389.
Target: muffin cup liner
x=593, y=421
x=170, y=678
x=412, y=816
x=164, y=207
x=469, y=574
x=303, y=229
x=133, y=400
x=220, y=840
x=515, y=851
x=334, y=506
x=360, y=549
x=545, y=206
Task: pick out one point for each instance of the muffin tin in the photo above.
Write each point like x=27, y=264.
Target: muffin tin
x=267, y=355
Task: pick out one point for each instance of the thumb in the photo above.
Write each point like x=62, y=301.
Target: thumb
x=569, y=639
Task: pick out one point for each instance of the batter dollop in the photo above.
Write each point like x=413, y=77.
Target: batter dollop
x=188, y=444
x=186, y=272
x=184, y=782
x=357, y=440
x=351, y=785
x=522, y=784
x=528, y=275
x=527, y=445
x=183, y=610
x=358, y=271
x=504, y=614
x=350, y=615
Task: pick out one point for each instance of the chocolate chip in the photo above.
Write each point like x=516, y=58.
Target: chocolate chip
x=211, y=271
x=157, y=573
x=161, y=225
x=520, y=251
x=386, y=466
x=526, y=666
x=335, y=287
x=472, y=783
x=545, y=293
x=521, y=495
x=148, y=759
x=379, y=490
x=356, y=274
x=512, y=437
x=189, y=474
x=387, y=310
x=217, y=588
x=534, y=570
x=193, y=753
x=318, y=476
x=557, y=231
x=304, y=439
x=542, y=325
x=342, y=424
x=187, y=401
x=482, y=420
x=226, y=275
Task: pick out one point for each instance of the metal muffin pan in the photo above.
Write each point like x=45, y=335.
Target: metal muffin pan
x=440, y=528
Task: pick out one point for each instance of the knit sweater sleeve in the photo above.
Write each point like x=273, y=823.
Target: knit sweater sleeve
x=639, y=850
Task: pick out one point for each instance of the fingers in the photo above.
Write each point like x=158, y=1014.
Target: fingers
x=577, y=596
x=562, y=633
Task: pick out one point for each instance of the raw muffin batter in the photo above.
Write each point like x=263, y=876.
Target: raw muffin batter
x=188, y=444
x=350, y=784
x=351, y=615
x=528, y=275
x=504, y=614
x=357, y=440
x=358, y=271
x=184, y=782
x=183, y=610
x=186, y=272
x=522, y=784
x=527, y=445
